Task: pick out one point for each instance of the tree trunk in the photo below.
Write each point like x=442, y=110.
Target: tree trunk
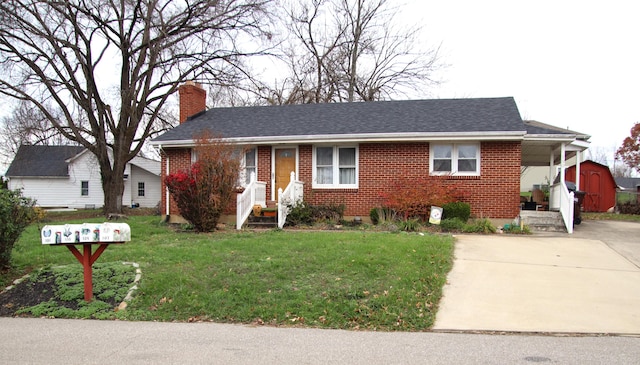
x=113, y=187
x=112, y=175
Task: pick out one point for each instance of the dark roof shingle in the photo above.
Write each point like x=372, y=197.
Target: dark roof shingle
x=42, y=161
x=383, y=117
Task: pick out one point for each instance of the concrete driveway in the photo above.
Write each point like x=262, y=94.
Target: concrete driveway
x=588, y=282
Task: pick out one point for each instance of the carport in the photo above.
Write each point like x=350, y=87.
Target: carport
x=547, y=145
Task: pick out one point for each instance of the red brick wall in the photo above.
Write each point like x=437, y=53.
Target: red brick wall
x=264, y=167
x=493, y=194
x=179, y=159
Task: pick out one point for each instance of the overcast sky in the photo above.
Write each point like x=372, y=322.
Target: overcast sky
x=573, y=64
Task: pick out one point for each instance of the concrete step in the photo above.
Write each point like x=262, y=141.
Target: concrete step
x=262, y=222
x=543, y=221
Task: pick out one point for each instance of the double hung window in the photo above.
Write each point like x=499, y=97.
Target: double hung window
x=335, y=167
x=250, y=165
x=458, y=159
x=84, y=188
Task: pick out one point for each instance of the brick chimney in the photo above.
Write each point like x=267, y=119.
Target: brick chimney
x=192, y=100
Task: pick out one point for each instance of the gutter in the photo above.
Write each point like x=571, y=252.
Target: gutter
x=167, y=203
x=363, y=138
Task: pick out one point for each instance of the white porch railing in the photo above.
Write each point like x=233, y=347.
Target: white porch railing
x=289, y=197
x=562, y=200
x=254, y=194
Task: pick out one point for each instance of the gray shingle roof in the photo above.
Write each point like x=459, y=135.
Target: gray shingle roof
x=42, y=161
x=629, y=183
x=384, y=117
x=535, y=127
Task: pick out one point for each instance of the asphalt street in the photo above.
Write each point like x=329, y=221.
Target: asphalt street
x=64, y=342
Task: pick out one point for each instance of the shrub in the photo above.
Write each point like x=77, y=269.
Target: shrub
x=480, y=226
x=452, y=224
x=300, y=214
x=204, y=191
x=413, y=197
x=456, y=210
x=374, y=215
x=16, y=212
x=382, y=215
x=629, y=208
x=306, y=214
x=410, y=225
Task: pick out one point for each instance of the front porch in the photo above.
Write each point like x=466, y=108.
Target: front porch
x=254, y=199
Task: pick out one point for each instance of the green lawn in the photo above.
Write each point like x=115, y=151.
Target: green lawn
x=346, y=279
x=612, y=216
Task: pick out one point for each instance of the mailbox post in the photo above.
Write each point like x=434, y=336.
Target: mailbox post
x=86, y=234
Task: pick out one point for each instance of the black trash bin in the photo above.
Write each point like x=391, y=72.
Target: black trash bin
x=578, y=197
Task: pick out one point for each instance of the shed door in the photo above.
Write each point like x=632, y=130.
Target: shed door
x=285, y=163
x=594, y=192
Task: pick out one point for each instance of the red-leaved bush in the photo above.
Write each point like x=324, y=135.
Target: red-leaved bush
x=204, y=191
x=413, y=197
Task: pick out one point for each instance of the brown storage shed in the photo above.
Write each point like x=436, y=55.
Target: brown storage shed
x=597, y=183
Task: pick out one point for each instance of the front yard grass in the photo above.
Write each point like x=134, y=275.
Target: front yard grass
x=611, y=216
x=347, y=279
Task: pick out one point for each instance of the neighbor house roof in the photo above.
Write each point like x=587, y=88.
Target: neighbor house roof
x=42, y=161
x=628, y=183
x=409, y=119
x=53, y=161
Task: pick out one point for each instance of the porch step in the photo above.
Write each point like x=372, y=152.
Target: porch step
x=543, y=221
x=262, y=222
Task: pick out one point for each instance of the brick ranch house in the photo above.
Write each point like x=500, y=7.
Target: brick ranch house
x=350, y=153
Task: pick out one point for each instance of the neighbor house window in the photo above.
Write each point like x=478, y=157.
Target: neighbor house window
x=250, y=164
x=455, y=159
x=335, y=167
x=141, y=189
x=84, y=188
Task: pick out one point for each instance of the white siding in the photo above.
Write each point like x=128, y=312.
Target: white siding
x=65, y=192
x=151, y=188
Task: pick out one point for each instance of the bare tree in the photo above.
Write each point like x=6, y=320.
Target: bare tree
x=26, y=126
x=100, y=71
x=349, y=50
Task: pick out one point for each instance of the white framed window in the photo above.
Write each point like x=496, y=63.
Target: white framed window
x=140, y=188
x=335, y=167
x=249, y=166
x=84, y=188
x=458, y=159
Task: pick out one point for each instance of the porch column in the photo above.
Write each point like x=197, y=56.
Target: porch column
x=552, y=168
x=578, y=160
x=562, y=162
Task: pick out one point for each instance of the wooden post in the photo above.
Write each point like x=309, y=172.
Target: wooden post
x=87, y=259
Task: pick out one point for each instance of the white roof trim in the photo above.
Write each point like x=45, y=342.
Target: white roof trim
x=360, y=138
x=550, y=137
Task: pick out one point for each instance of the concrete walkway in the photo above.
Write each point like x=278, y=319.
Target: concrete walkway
x=588, y=282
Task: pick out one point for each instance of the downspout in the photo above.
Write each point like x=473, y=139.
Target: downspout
x=166, y=199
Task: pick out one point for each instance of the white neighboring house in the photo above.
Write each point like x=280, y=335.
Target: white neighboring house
x=69, y=177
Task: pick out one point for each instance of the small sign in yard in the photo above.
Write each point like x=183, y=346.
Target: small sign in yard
x=436, y=215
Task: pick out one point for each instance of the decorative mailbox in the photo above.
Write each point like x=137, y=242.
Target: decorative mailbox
x=85, y=233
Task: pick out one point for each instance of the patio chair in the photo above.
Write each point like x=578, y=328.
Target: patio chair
x=538, y=197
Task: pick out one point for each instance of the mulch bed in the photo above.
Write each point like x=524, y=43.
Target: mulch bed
x=27, y=294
